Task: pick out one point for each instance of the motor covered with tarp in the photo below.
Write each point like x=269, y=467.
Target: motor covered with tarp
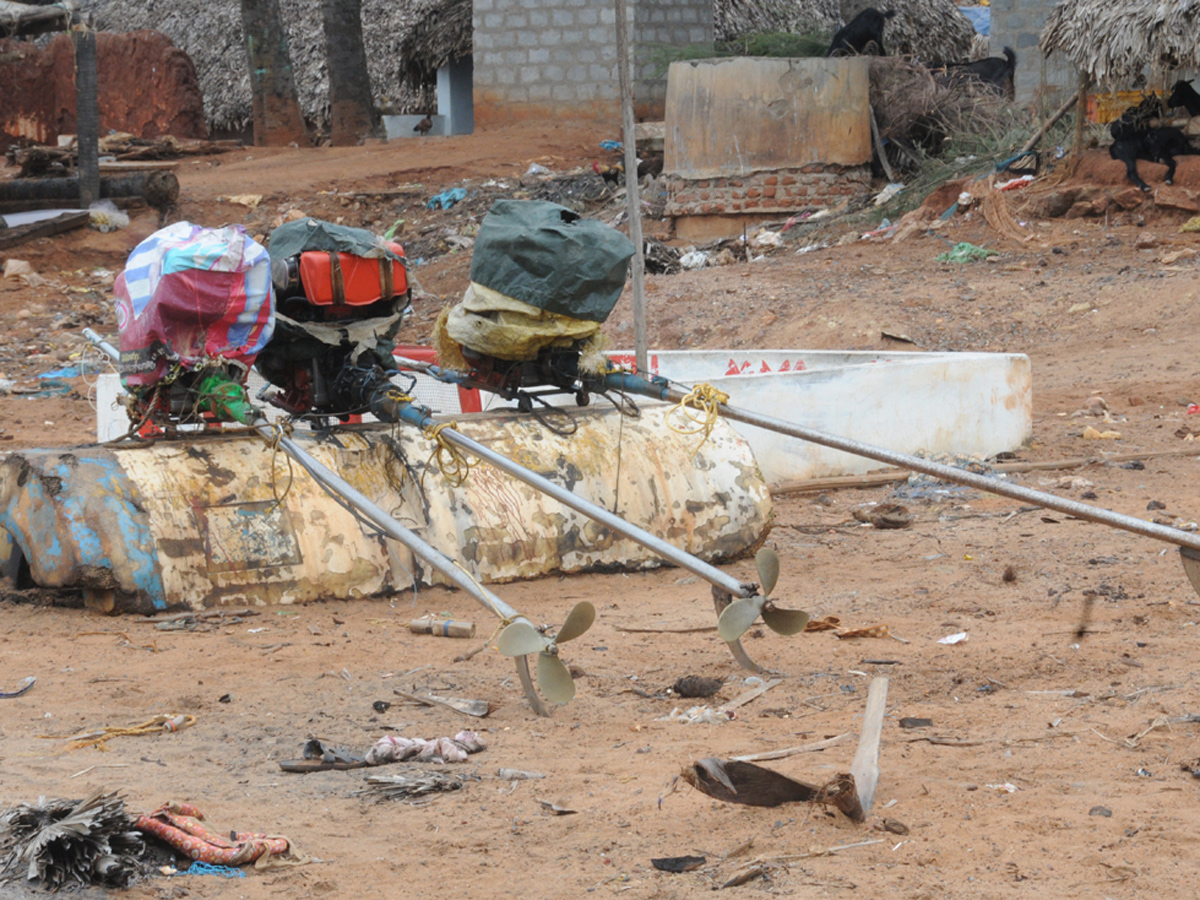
x=543, y=282
x=195, y=306
x=343, y=295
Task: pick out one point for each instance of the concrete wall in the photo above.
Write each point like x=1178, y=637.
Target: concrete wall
x=546, y=58
x=1018, y=24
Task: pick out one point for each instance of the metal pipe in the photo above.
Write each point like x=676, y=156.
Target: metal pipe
x=937, y=470
x=414, y=414
x=104, y=345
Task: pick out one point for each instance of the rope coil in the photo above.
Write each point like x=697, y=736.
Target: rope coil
x=700, y=408
x=454, y=465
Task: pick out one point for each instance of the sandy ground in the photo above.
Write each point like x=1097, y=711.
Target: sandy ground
x=1052, y=767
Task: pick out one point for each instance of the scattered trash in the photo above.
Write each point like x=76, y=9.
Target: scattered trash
x=965, y=252
x=1174, y=256
x=731, y=781
x=157, y=725
x=57, y=843
x=65, y=372
x=535, y=169
x=611, y=145
x=888, y=193
x=829, y=623
x=1191, y=225
x=894, y=826
x=250, y=201
x=890, y=515
x=518, y=775
x=104, y=216
x=1006, y=788
x=957, y=638
x=693, y=259
x=477, y=708
x=885, y=227
x=699, y=715
x=766, y=240
x=1091, y=434
x=697, y=686
x=913, y=722
x=677, y=864
x=393, y=748
x=179, y=825
x=25, y=684
x=394, y=229
x=447, y=198
x=440, y=627
x=1015, y=183
x=873, y=631
x=965, y=199
x=1143, y=773
x=319, y=758
x=203, y=868
x=556, y=809
x=409, y=786
x=18, y=268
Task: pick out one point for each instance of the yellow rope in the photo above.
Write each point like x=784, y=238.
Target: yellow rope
x=280, y=432
x=451, y=461
x=157, y=725
x=701, y=408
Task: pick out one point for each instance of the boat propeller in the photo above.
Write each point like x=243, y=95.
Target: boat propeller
x=521, y=638
x=741, y=614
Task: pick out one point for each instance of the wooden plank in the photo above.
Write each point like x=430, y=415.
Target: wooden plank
x=865, y=767
x=11, y=237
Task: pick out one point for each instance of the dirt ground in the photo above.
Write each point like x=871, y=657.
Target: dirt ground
x=1052, y=766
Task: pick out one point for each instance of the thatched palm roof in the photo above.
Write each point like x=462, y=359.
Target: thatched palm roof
x=1117, y=44
x=931, y=30
x=442, y=35
x=210, y=32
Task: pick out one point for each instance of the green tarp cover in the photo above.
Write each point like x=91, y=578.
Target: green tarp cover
x=293, y=238
x=549, y=257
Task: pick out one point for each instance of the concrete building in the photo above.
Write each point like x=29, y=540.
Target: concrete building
x=554, y=58
x=1018, y=24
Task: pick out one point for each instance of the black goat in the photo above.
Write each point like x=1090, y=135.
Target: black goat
x=1134, y=139
x=1183, y=94
x=1136, y=120
x=994, y=72
x=857, y=35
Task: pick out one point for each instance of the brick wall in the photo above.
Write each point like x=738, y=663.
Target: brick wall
x=539, y=58
x=780, y=191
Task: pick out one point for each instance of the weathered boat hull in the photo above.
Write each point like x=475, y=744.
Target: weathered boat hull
x=219, y=519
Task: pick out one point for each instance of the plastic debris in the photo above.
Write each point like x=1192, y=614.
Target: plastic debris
x=447, y=198
x=694, y=259
x=953, y=638
x=699, y=715
x=965, y=252
x=766, y=239
x=203, y=868
x=1006, y=788
x=611, y=145
x=105, y=217
x=537, y=169
x=1015, y=183
x=888, y=193
x=1191, y=225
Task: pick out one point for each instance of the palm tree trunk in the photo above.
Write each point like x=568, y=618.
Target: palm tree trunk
x=276, y=109
x=352, y=111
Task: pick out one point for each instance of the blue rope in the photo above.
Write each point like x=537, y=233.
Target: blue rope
x=203, y=868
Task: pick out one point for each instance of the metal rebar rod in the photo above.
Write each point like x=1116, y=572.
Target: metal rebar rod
x=654, y=544
x=960, y=476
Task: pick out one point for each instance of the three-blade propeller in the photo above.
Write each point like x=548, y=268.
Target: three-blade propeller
x=741, y=614
x=521, y=639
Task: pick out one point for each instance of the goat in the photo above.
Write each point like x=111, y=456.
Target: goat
x=1183, y=94
x=1158, y=145
x=1134, y=139
x=857, y=35
x=994, y=73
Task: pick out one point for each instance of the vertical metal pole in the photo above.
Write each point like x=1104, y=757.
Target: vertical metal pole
x=87, y=116
x=632, y=200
